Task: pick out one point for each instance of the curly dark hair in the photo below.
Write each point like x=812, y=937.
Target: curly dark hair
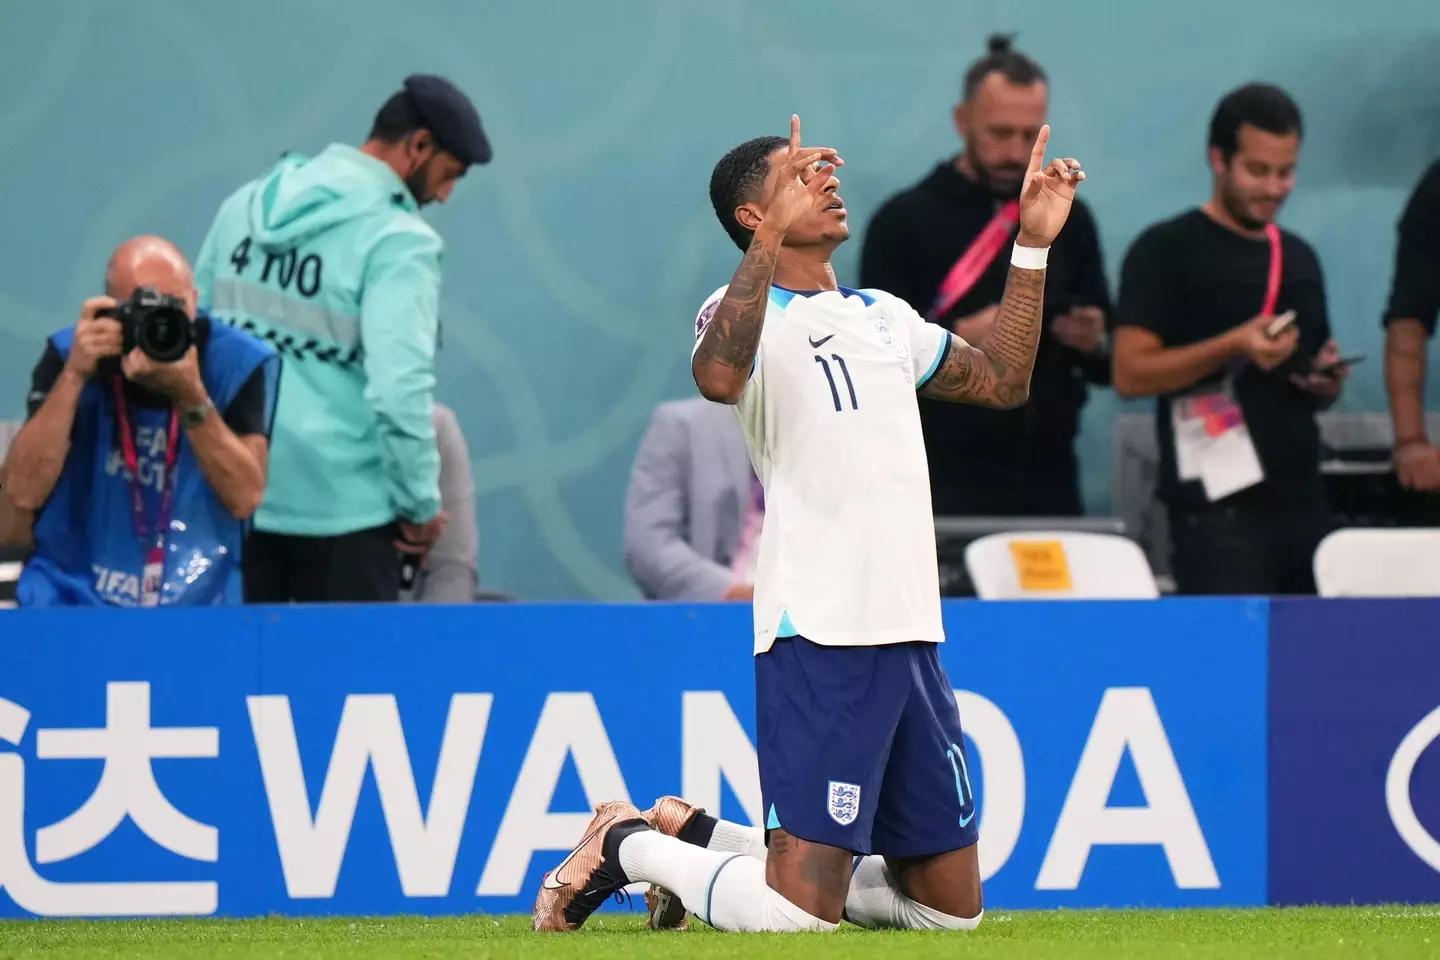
x=1261, y=105
x=737, y=179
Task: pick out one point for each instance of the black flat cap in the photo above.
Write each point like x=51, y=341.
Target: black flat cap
x=450, y=116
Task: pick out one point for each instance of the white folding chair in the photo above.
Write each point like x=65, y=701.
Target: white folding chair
x=1362, y=562
x=1059, y=566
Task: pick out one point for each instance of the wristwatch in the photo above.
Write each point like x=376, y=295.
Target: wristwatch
x=194, y=416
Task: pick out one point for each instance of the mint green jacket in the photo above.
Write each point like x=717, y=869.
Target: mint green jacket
x=328, y=259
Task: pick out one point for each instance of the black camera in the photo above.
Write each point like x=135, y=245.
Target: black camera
x=155, y=322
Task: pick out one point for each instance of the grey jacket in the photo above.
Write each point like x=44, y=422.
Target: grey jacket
x=453, y=572
x=685, y=503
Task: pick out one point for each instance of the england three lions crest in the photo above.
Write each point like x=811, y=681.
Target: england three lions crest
x=844, y=802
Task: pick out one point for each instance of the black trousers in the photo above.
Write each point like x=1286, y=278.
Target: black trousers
x=1243, y=547
x=987, y=489
x=359, y=567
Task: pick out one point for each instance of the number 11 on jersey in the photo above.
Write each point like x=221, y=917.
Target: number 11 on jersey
x=830, y=377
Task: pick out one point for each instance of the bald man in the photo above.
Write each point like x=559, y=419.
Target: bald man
x=142, y=475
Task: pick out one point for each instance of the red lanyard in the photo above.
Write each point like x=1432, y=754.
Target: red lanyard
x=1272, y=287
x=1272, y=282
x=155, y=553
x=976, y=259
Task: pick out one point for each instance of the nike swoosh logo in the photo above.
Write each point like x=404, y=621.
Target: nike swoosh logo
x=821, y=342
x=551, y=882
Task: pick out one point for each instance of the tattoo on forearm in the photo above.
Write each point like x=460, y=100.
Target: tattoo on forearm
x=733, y=334
x=996, y=371
x=1010, y=344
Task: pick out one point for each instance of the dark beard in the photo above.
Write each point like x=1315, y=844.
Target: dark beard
x=1005, y=187
x=416, y=184
x=1238, y=214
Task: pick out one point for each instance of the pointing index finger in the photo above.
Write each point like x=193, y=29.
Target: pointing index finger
x=1037, y=155
x=794, y=133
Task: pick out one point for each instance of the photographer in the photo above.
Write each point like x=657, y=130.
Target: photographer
x=146, y=445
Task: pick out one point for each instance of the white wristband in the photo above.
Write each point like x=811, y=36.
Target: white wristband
x=1029, y=258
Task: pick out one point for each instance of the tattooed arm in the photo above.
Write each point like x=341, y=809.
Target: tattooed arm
x=996, y=371
x=725, y=355
x=800, y=185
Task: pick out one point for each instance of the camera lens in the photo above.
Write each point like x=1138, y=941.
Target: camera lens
x=163, y=334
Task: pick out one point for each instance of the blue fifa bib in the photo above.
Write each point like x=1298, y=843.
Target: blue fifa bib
x=87, y=549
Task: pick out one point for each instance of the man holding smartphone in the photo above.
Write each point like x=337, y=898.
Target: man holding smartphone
x=1222, y=317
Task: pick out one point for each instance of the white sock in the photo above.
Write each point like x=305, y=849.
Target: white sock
x=874, y=901
x=726, y=890
x=733, y=838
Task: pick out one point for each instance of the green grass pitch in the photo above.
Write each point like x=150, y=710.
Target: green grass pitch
x=1395, y=933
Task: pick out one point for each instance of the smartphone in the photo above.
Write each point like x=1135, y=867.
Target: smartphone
x=1342, y=362
x=1280, y=324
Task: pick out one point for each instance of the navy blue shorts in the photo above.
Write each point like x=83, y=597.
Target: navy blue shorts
x=860, y=748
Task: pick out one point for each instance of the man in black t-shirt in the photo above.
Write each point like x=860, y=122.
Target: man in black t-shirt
x=1409, y=323
x=1200, y=295
x=987, y=462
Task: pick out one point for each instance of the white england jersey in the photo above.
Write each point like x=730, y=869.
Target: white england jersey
x=831, y=420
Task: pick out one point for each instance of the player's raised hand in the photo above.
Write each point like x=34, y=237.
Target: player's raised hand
x=799, y=186
x=1048, y=192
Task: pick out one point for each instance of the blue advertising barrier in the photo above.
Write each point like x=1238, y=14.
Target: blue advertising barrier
x=438, y=760
x=1355, y=751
